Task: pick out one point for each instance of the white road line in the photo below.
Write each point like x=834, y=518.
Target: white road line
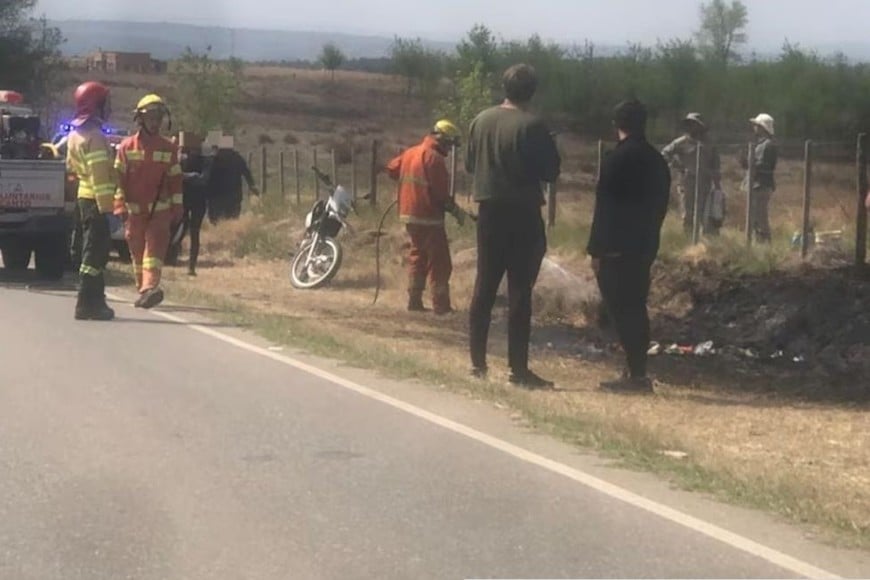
x=747, y=545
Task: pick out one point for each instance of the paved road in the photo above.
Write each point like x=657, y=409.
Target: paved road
x=145, y=449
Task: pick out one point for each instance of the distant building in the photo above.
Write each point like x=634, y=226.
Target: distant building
x=124, y=62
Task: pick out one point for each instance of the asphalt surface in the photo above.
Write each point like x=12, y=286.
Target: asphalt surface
x=143, y=449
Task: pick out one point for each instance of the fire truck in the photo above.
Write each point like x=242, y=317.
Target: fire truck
x=36, y=200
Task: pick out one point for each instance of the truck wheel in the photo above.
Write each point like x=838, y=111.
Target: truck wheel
x=16, y=256
x=51, y=258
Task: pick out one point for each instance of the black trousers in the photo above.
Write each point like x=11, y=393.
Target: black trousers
x=510, y=238
x=96, y=242
x=624, y=283
x=194, y=214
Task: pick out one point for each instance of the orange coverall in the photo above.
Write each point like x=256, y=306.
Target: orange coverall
x=424, y=195
x=150, y=192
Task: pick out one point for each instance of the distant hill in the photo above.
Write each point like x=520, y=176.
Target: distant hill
x=166, y=41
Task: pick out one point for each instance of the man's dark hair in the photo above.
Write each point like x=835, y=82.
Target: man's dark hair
x=520, y=83
x=630, y=116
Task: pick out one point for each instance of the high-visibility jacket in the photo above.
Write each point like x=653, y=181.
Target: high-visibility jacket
x=88, y=159
x=424, y=184
x=149, y=174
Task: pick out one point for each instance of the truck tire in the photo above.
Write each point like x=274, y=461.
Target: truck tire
x=16, y=256
x=51, y=257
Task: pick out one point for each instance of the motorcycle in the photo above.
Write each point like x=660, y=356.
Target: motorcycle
x=319, y=255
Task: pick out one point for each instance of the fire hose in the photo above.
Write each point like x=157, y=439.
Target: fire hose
x=378, y=247
x=378, y=250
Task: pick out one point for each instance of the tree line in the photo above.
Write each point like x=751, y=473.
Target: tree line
x=810, y=95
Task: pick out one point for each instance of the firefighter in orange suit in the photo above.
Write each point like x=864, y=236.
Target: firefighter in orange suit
x=149, y=196
x=424, y=197
x=89, y=162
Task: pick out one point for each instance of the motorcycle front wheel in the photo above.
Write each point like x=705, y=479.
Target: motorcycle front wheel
x=308, y=274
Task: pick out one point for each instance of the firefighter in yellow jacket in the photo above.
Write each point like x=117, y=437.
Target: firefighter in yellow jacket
x=89, y=161
x=149, y=196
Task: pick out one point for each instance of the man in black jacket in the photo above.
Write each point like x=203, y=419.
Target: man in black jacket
x=631, y=202
x=225, y=185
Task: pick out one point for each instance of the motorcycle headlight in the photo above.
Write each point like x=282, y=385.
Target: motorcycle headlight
x=308, y=219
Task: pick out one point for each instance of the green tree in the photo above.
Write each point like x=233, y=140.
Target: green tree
x=331, y=58
x=420, y=67
x=30, y=59
x=723, y=29
x=472, y=94
x=478, y=50
x=206, y=92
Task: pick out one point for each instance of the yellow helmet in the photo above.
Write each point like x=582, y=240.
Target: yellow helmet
x=149, y=102
x=448, y=132
x=152, y=102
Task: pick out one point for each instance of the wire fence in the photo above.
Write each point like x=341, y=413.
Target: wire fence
x=820, y=186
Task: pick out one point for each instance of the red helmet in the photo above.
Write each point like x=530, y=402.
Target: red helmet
x=90, y=99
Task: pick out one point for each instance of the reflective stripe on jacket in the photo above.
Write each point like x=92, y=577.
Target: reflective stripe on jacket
x=88, y=159
x=424, y=183
x=148, y=172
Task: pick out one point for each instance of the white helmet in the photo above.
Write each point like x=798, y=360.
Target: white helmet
x=764, y=121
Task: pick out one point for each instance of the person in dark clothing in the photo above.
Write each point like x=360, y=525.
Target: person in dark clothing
x=225, y=185
x=197, y=171
x=631, y=202
x=510, y=152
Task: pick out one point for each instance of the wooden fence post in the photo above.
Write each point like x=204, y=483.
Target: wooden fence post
x=334, y=168
x=281, y=183
x=296, y=173
x=353, y=170
x=808, y=180
x=373, y=193
x=861, y=221
x=316, y=180
x=251, y=161
x=263, y=174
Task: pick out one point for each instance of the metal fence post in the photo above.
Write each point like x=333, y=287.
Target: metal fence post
x=453, y=172
x=750, y=179
x=600, y=160
x=551, y=204
x=334, y=168
x=696, y=214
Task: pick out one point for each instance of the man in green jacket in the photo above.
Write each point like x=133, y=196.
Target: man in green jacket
x=510, y=153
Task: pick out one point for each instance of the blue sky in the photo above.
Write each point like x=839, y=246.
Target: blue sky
x=808, y=22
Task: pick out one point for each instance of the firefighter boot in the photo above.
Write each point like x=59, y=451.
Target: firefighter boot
x=105, y=313
x=150, y=298
x=415, y=295
x=91, y=304
x=441, y=300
